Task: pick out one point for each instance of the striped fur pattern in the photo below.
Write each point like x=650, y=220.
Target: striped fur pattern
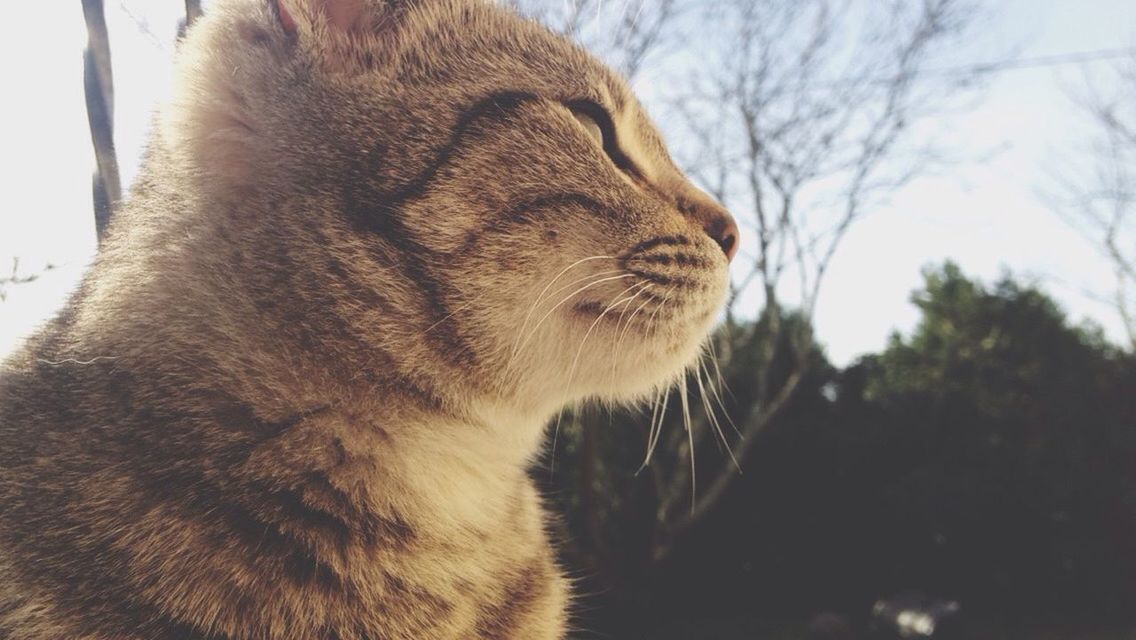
x=373, y=248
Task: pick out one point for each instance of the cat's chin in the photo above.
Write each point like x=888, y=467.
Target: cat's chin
x=653, y=365
x=620, y=362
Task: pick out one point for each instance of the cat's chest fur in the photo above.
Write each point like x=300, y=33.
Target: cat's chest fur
x=316, y=525
x=374, y=541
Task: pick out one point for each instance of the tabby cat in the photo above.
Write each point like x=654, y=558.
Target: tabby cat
x=373, y=248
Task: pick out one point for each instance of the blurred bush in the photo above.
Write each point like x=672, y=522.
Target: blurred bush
x=987, y=458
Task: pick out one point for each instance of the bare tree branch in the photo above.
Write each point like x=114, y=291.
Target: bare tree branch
x=798, y=116
x=625, y=33
x=1101, y=204
x=15, y=278
x=799, y=139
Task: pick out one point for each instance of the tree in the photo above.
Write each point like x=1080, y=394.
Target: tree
x=98, y=89
x=15, y=278
x=1019, y=431
x=626, y=34
x=801, y=117
x=985, y=458
x=806, y=128
x=1102, y=203
x=98, y=85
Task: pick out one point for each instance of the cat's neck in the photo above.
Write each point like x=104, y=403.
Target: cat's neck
x=436, y=473
x=305, y=389
x=360, y=452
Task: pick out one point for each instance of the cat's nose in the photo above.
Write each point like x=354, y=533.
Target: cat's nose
x=714, y=220
x=724, y=231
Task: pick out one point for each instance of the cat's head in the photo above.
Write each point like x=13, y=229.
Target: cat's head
x=468, y=194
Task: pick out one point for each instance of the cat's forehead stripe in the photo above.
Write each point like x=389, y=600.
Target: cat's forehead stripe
x=496, y=105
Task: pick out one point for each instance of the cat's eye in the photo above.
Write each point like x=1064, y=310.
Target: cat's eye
x=591, y=126
x=598, y=123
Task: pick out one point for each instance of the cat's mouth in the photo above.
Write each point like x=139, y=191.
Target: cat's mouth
x=649, y=308
x=665, y=290
x=670, y=280
x=679, y=279
x=647, y=331
x=617, y=312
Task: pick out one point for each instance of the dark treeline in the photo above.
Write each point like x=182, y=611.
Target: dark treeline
x=987, y=459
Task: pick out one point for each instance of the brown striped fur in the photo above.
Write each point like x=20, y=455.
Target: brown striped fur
x=297, y=393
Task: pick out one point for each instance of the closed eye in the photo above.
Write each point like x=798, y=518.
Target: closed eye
x=598, y=123
x=591, y=126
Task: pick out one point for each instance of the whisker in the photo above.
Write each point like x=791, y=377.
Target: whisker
x=532, y=333
x=570, y=284
x=710, y=414
x=717, y=371
x=651, y=425
x=513, y=352
x=656, y=431
x=643, y=286
x=718, y=398
x=595, y=323
x=651, y=326
x=555, y=437
x=540, y=296
x=621, y=335
x=706, y=409
x=690, y=443
x=448, y=316
x=576, y=361
x=568, y=297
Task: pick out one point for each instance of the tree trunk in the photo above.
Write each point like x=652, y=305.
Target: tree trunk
x=98, y=85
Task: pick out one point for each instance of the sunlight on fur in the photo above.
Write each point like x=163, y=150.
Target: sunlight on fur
x=374, y=248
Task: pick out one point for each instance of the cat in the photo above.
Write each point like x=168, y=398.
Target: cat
x=373, y=247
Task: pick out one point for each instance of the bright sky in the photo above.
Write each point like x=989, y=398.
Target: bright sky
x=985, y=214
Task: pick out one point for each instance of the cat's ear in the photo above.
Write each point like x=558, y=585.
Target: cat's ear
x=342, y=34
x=343, y=16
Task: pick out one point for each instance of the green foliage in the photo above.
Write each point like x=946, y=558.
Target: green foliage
x=1026, y=425
x=988, y=457
x=984, y=344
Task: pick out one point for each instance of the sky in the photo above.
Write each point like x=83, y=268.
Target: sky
x=988, y=212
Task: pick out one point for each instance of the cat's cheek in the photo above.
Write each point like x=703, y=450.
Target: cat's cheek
x=663, y=359
x=643, y=367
